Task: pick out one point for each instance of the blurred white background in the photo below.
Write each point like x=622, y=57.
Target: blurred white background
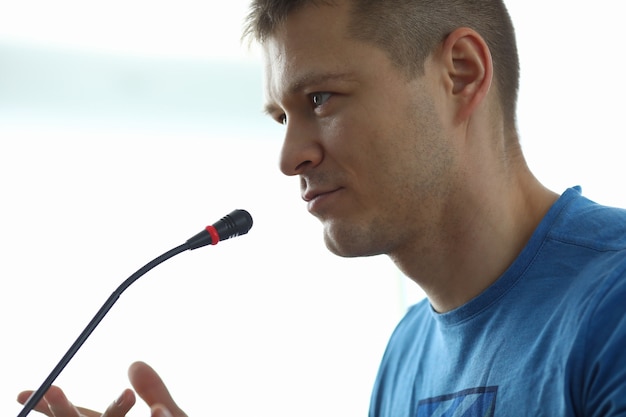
x=127, y=126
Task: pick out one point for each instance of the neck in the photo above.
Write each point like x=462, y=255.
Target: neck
x=483, y=228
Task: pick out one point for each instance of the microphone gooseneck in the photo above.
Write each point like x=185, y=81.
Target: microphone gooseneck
x=237, y=223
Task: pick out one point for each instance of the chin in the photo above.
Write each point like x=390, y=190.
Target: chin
x=347, y=245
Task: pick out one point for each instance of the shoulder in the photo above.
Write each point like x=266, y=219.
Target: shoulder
x=586, y=223
x=415, y=325
x=591, y=242
x=598, y=361
x=416, y=317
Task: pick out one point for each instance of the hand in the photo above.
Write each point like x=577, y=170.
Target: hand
x=150, y=387
x=56, y=404
x=146, y=382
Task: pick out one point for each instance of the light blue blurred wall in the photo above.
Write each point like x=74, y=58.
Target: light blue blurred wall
x=65, y=86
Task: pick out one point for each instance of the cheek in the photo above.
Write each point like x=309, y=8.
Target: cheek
x=342, y=139
x=413, y=159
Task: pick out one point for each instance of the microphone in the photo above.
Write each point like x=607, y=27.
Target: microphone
x=237, y=223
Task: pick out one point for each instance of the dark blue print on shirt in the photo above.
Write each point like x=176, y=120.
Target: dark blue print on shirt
x=475, y=402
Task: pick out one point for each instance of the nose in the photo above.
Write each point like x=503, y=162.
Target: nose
x=301, y=150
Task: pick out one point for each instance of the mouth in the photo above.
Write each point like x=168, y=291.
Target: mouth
x=317, y=199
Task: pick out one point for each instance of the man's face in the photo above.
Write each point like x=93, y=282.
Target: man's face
x=373, y=160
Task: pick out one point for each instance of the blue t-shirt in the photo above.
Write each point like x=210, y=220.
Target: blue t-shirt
x=548, y=338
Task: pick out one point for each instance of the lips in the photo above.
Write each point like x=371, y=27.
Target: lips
x=311, y=195
x=319, y=200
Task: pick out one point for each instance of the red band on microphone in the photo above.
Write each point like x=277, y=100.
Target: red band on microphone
x=215, y=237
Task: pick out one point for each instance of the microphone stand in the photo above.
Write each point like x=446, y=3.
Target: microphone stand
x=237, y=223
x=38, y=395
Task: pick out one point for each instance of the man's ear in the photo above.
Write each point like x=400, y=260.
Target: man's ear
x=469, y=70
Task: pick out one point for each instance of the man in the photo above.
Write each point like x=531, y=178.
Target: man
x=400, y=122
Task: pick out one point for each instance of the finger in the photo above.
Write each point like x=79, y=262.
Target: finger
x=160, y=411
x=53, y=404
x=85, y=412
x=119, y=407
x=23, y=396
x=150, y=387
x=58, y=403
x=41, y=406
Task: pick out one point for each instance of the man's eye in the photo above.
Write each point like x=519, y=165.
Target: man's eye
x=282, y=119
x=319, y=98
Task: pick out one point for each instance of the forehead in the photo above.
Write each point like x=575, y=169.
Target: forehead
x=311, y=41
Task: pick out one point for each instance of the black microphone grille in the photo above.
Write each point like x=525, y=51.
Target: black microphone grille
x=237, y=223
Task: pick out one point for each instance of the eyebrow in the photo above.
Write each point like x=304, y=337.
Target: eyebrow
x=307, y=79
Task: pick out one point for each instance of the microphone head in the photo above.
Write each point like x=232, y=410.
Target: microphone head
x=237, y=223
